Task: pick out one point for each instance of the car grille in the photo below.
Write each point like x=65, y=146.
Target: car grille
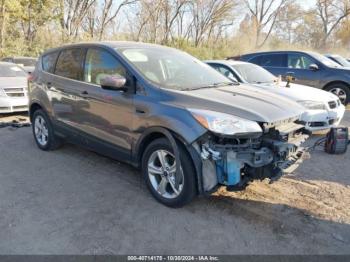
x=20, y=107
x=332, y=104
x=317, y=124
x=15, y=92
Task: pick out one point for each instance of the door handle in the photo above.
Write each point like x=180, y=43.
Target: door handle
x=140, y=111
x=84, y=92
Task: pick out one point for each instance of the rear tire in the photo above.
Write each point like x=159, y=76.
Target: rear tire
x=340, y=90
x=154, y=173
x=43, y=132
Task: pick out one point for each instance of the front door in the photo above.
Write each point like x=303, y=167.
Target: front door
x=110, y=112
x=299, y=68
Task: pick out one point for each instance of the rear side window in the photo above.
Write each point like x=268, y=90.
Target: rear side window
x=69, y=63
x=99, y=63
x=49, y=61
x=255, y=60
x=273, y=60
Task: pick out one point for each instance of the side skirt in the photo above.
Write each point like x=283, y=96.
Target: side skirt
x=92, y=143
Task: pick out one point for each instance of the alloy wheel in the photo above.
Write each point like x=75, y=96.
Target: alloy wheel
x=162, y=174
x=41, y=131
x=339, y=93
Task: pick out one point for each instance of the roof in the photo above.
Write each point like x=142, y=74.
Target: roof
x=110, y=44
x=226, y=62
x=332, y=55
x=20, y=57
x=276, y=51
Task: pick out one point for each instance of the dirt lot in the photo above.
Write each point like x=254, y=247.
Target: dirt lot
x=73, y=201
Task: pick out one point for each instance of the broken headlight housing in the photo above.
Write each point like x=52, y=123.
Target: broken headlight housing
x=225, y=124
x=313, y=105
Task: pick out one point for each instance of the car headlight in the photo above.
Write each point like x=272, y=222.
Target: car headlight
x=2, y=92
x=225, y=124
x=313, y=105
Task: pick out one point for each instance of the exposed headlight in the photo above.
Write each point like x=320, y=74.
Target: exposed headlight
x=2, y=92
x=313, y=105
x=225, y=124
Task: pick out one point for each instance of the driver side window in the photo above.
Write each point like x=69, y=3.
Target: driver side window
x=225, y=71
x=299, y=61
x=99, y=63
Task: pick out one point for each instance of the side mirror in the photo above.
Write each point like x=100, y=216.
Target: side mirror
x=113, y=82
x=313, y=67
x=290, y=78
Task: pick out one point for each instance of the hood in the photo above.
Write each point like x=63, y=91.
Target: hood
x=299, y=92
x=244, y=101
x=8, y=82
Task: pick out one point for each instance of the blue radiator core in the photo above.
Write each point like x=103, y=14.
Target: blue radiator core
x=228, y=170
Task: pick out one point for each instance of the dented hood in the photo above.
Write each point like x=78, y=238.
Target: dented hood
x=243, y=100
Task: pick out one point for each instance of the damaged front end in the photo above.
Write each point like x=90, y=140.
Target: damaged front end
x=235, y=161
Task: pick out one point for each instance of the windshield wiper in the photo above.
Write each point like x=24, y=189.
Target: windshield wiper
x=260, y=82
x=214, y=85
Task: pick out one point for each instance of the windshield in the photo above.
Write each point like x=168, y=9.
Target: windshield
x=342, y=61
x=11, y=71
x=254, y=74
x=173, y=69
x=25, y=61
x=325, y=60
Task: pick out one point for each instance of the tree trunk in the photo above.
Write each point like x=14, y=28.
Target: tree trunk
x=2, y=24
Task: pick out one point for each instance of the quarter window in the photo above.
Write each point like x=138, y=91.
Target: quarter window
x=299, y=61
x=49, y=62
x=99, y=63
x=69, y=63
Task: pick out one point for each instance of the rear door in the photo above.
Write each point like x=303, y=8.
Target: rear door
x=274, y=63
x=110, y=112
x=66, y=89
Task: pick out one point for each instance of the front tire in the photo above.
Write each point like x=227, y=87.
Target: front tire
x=159, y=172
x=43, y=132
x=340, y=90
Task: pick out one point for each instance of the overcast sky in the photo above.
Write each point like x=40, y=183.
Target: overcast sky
x=307, y=3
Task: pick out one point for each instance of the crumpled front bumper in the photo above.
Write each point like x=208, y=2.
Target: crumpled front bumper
x=270, y=157
x=315, y=120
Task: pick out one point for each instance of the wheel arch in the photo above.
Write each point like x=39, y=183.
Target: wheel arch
x=149, y=136
x=34, y=107
x=334, y=83
x=154, y=133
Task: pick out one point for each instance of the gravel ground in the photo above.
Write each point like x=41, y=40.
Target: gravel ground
x=72, y=201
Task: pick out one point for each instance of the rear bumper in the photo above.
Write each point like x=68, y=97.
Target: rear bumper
x=315, y=120
x=13, y=104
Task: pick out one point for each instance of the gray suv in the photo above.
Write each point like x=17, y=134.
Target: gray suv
x=307, y=68
x=182, y=123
